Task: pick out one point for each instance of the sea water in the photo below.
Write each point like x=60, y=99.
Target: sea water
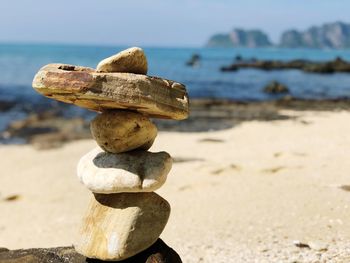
x=19, y=63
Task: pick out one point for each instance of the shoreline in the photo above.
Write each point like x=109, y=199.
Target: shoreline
x=50, y=127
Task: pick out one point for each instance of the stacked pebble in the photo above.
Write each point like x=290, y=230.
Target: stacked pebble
x=125, y=216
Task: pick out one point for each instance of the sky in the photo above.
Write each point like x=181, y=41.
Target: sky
x=173, y=23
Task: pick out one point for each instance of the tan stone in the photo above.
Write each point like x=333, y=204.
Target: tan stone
x=118, y=131
x=131, y=60
x=84, y=87
x=136, y=171
x=118, y=226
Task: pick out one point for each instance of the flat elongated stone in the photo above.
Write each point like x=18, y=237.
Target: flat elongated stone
x=119, y=226
x=84, y=87
x=118, y=131
x=136, y=171
x=131, y=60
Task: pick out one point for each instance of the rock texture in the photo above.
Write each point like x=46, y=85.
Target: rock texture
x=131, y=60
x=159, y=252
x=125, y=216
x=119, y=131
x=120, y=226
x=89, y=89
x=137, y=171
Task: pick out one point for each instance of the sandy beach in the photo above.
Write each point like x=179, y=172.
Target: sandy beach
x=260, y=191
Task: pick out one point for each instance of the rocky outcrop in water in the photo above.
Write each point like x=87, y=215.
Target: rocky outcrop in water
x=240, y=38
x=275, y=87
x=194, y=61
x=336, y=65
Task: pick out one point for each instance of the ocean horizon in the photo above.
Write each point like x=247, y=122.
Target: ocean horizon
x=19, y=62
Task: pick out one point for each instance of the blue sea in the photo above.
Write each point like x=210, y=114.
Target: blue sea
x=20, y=62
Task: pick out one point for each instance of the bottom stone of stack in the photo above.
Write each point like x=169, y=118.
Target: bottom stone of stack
x=159, y=252
x=119, y=226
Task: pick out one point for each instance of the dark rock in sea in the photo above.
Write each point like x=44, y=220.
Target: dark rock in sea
x=341, y=65
x=48, y=129
x=270, y=64
x=322, y=68
x=240, y=38
x=276, y=88
x=337, y=65
x=331, y=35
x=238, y=58
x=6, y=105
x=159, y=252
x=232, y=67
x=194, y=60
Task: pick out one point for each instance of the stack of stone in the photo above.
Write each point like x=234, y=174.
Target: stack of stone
x=125, y=216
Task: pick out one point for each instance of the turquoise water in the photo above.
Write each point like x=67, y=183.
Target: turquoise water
x=19, y=63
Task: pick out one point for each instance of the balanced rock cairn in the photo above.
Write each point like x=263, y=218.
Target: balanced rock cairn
x=125, y=216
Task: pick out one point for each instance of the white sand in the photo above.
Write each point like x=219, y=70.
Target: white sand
x=245, y=199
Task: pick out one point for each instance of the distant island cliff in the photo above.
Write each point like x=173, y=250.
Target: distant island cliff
x=331, y=35
x=240, y=38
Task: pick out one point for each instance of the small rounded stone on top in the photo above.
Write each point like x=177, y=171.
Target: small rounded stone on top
x=118, y=131
x=131, y=60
